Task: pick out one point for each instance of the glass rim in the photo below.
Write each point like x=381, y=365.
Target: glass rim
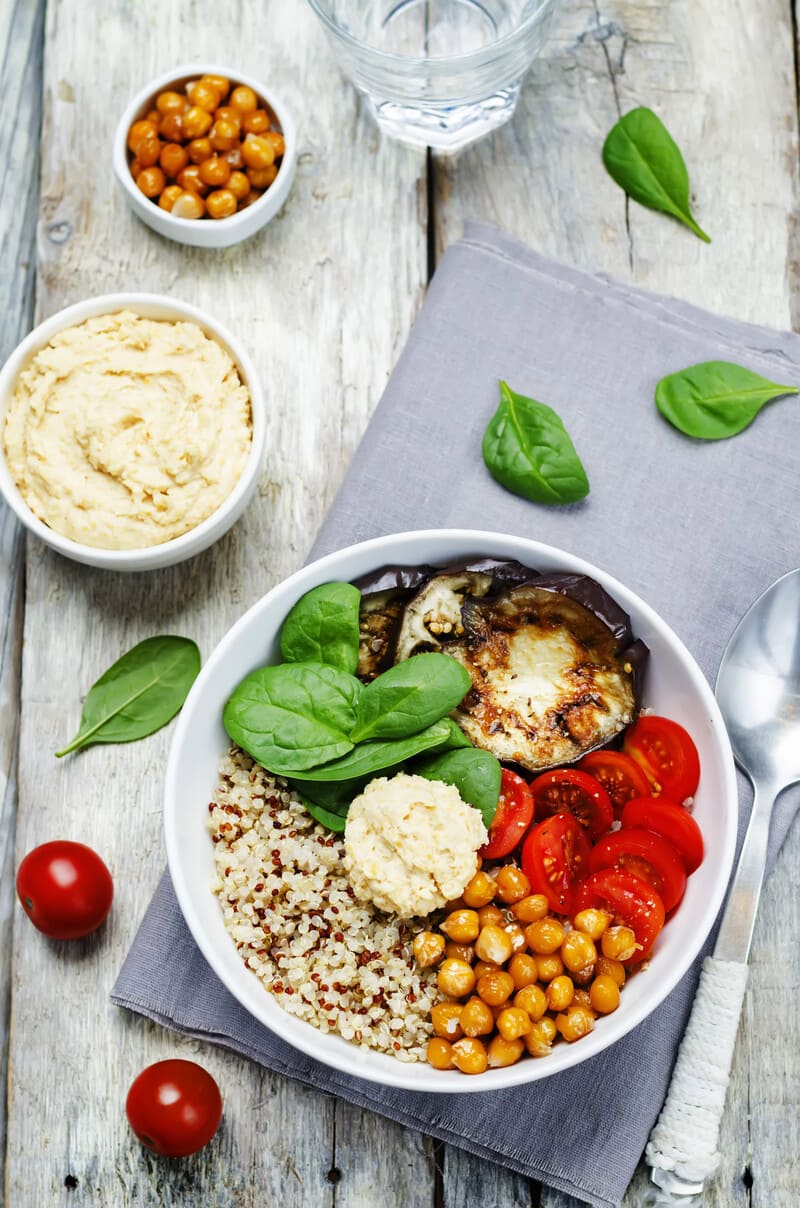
x=468, y=58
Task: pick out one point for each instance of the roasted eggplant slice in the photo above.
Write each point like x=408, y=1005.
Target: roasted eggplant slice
x=383, y=597
x=555, y=671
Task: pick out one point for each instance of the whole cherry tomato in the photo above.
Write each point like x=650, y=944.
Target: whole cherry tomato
x=174, y=1107
x=65, y=889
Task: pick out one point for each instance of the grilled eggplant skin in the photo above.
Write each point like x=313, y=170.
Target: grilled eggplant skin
x=384, y=594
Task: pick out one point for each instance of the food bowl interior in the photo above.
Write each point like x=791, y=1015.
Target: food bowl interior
x=674, y=687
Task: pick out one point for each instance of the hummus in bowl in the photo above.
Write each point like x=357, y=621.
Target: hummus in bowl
x=132, y=431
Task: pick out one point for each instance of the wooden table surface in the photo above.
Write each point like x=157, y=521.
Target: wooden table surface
x=324, y=299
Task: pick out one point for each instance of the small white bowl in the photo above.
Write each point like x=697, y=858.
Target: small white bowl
x=205, y=232
x=674, y=686
x=150, y=306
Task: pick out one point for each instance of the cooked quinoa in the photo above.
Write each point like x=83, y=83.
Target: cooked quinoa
x=340, y=964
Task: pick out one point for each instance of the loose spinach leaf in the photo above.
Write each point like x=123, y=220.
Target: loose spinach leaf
x=334, y=822
x=380, y=755
x=139, y=693
x=322, y=627
x=715, y=399
x=293, y=716
x=333, y=795
x=410, y=696
x=475, y=773
x=642, y=157
x=528, y=450
x=456, y=739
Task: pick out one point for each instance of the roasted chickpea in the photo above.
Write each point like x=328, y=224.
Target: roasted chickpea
x=200, y=149
x=279, y=147
x=517, y=937
x=604, y=994
x=154, y=117
x=427, y=948
x=469, y=1056
x=203, y=96
x=189, y=179
x=262, y=178
x=220, y=84
x=224, y=135
x=531, y=908
x=582, y=998
x=455, y=978
x=593, y=922
x=256, y=122
x=545, y=936
x=148, y=151
x=512, y=884
x=214, y=172
x=539, y=1041
x=221, y=204
x=229, y=114
x=532, y=1000
x=491, y=915
x=258, y=151
x=140, y=130
x=619, y=944
x=244, y=99
x=476, y=1018
x=440, y=1053
x=445, y=1020
x=513, y=1022
x=578, y=951
x=136, y=168
x=252, y=196
x=196, y=122
x=188, y=205
x=171, y=127
x=459, y=952
x=169, y=196
x=173, y=158
x=234, y=159
x=522, y=968
x=493, y=944
x=575, y=1023
x=463, y=927
x=480, y=890
x=481, y=967
x=614, y=969
x=560, y=993
x=151, y=181
x=171, y=102
x=495, y=988
x=549, y=967
x=504, y=1052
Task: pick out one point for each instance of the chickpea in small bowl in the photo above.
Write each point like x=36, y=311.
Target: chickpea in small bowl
x=205, y=155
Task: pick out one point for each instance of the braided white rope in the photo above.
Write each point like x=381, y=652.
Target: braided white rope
x=683, y=1145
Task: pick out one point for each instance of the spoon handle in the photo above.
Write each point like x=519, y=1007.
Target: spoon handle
x=682, y=1149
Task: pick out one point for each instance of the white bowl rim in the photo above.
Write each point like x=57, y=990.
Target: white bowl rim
x=76, y=313
x=242, y=218
x=379, y=1067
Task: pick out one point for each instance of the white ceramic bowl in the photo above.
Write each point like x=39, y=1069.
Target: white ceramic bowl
x=205, y=232
x=675, y=686
x=151, y=306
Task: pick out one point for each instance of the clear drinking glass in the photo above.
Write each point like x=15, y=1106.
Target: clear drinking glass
x=438, y=73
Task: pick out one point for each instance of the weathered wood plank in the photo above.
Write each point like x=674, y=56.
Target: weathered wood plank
x=729, y=98
x=303, y=296
x=20, y=111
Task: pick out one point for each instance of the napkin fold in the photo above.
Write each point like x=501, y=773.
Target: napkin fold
x=698, y=529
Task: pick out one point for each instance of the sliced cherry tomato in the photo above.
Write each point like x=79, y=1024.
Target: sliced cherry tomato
x=620, y=776
x=569, y=791
x=555, y=857
x=667, y=756
x=671, y=821
x=174, y=1107
x=65, y=889
x=648, y=855
x=512, y=818
x=627, y=898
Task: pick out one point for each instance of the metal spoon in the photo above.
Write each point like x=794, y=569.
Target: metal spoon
x=758, y=690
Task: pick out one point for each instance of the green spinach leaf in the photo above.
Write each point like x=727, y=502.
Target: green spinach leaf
x=456, y=739
x=642, y=157
x=475, y=773
x=322, y=627
x=715, y=399
x=293, y=716
x=410, y=696
x=332, y=821
x=528, y=450
x=333, y=795
x=139, y=693
x=381, y=754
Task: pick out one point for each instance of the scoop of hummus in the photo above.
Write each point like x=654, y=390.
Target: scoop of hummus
x=124, y=432
x=411, y=844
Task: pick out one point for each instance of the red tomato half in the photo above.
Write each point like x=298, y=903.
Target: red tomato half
x=666, y=754
x=65, y=889
x=569, y=791
x=555, y=856
x=627, y=898
x=672, y=822
x=174, y=1107
x=620, y=776
x=649, y=856
x=512, y=818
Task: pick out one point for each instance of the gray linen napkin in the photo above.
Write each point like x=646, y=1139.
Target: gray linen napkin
x=698, y=529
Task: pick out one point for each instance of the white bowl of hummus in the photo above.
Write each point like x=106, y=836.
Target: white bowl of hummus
x=132, y=431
